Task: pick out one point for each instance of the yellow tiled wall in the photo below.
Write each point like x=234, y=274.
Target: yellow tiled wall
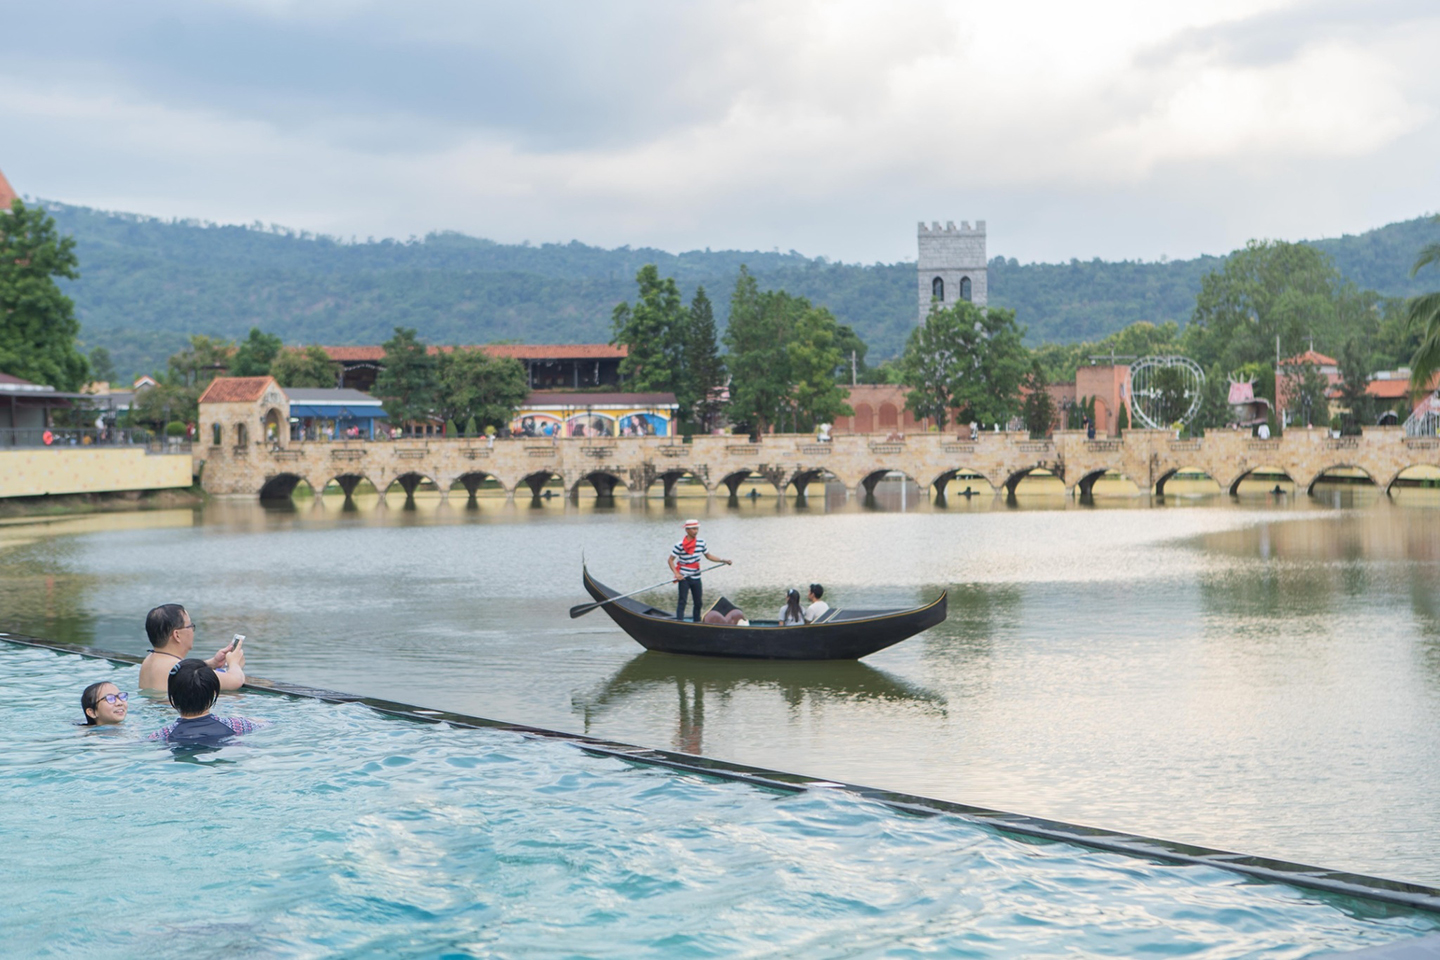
x=34, y=471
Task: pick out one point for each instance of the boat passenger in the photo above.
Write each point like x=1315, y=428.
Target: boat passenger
x=193, y=689
x=791, y=615
x=684, y=563
x=103, y=704
x=818, y=608
x=172, y=635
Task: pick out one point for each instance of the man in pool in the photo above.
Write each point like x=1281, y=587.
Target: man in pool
x=172, y=635
x=685, y=567
x=193, y=689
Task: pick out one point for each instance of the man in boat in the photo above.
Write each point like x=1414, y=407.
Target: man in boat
x=817, y=608
x=685, y=567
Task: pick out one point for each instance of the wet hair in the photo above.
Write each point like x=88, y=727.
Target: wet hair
x=162, y=622
x=89, y=699
x=792, y=605
x=818, y=590
x=193, y=687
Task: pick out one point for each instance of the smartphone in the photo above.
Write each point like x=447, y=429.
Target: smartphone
x=235, y=643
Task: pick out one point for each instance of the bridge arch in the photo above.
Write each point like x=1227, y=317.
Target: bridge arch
x=537, y=481
x=968, y=482
x=347, y=482
x=1012, y=482
x=803, y=478
x=1267, y=470
x=1415, y=476
x=777, y=477
x=410, y=481
x=671, y=479
x=603, y=481
x=1327, y=473
x=281, y=486
x=471, y=481
x=1085, y=486
x=1186, y=471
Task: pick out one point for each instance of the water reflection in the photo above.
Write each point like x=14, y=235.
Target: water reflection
x=798, y=685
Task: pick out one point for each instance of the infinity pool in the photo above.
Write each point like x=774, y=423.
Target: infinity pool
x=340, y=831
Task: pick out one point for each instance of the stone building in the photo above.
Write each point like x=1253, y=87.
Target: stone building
x=952, y=265
x=239, y=413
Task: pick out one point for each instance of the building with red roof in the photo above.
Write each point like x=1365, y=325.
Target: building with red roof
x=7, y=192
x=548, y=366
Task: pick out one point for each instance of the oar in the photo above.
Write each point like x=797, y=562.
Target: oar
x=585, y=608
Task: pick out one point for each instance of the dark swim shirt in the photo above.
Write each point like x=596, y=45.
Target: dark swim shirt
x=206, y=729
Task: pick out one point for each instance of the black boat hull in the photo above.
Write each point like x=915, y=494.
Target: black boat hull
x=849, y=636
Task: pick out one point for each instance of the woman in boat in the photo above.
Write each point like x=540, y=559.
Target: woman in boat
x=791, y=615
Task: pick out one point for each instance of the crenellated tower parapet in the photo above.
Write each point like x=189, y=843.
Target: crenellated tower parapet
x=952, y=265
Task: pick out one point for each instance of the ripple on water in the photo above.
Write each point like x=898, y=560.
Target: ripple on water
x=341, y=831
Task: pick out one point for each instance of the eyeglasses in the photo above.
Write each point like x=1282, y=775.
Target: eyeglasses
x=114, y=698
x=188, y=626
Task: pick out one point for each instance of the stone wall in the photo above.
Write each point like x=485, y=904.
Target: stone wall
x=790, y=463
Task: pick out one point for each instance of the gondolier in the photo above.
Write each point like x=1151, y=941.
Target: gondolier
x=685, y=567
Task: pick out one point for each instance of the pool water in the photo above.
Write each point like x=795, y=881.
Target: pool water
x=339, y=831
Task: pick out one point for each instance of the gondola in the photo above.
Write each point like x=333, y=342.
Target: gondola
x=841, y=634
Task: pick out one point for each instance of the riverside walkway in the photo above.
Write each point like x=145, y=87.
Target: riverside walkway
x=790, y=463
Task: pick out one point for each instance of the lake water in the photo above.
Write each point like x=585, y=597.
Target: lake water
x=1261, y=676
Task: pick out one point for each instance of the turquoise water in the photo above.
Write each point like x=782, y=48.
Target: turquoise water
x=340, y=832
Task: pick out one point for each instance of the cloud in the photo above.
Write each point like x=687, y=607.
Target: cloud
x=825, y=126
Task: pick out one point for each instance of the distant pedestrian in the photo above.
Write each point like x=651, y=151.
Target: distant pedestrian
x=684, y=563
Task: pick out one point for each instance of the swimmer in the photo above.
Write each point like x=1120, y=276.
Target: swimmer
x=103, y=704
x=172, y=635
x=193, y=688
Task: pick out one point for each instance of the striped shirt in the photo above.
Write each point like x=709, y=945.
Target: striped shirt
x=688, y=561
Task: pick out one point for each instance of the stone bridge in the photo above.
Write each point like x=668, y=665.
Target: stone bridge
x=1149, y=458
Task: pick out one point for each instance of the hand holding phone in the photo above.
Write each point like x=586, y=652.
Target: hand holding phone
x=235, y=643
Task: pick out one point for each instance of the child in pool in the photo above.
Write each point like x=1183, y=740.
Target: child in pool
x=194, y=687
x=104, y=704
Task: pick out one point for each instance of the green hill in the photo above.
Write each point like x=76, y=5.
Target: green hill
x=147, y=284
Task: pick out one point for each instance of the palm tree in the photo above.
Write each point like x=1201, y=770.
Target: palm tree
x=1424, y=315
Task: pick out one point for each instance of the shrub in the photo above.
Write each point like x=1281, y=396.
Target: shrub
x=174, y=429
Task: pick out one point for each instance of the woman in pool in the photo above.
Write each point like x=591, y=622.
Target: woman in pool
x=104, y=704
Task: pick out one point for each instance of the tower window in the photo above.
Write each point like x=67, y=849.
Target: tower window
x=937, y=288
x=964, y=288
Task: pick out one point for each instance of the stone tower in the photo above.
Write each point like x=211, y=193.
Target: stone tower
x=952, y=264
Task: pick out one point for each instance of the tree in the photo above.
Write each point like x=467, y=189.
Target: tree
x=784, y=355
x=967, y=359
x=1172, y=399
x=406, y=384
x=176, y=395
x=37, y=321
x=304, y=367
x=255, y=354
x=704, y=370
x=1354, y=379
x=653, y=333
x=1039, y=405
x=102, y=368
x=812, y=356
x=1422, y=318
x=475, y=388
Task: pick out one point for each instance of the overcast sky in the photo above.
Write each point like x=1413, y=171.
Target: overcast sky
x=1110, y=129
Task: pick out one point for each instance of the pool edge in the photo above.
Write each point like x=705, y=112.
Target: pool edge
x=1404, y=893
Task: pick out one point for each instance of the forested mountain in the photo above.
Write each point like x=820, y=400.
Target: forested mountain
x=147, y=284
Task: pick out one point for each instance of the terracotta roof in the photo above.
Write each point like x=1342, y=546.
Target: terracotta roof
x=543, y=398
x=236, y=389
x=7, y=192
x=520, y=351
x=1397, y=389
x=1310, y=356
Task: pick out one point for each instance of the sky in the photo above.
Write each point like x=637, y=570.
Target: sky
x=1112, y=129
